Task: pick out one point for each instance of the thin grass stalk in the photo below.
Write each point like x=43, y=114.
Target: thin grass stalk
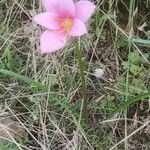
x=83, y=81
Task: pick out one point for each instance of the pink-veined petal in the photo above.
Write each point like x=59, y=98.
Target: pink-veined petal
x=48, y=20
x=61, y=7
x=84, y=10
x=78, y=28
x=51, y=41
x=67, y=7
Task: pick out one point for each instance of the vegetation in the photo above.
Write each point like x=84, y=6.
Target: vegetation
x=41, y=95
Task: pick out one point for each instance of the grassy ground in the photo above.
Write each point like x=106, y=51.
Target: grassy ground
x=40, y=95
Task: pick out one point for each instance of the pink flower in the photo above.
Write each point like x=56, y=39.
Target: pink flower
x=63, y=18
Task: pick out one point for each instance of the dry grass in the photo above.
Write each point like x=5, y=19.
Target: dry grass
x=52, y=119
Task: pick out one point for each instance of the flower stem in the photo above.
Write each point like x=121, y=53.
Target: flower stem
x=83, y=81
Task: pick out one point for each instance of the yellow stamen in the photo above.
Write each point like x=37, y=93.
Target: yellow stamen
x=67, y=24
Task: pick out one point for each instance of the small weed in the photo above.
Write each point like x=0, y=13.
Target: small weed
x=134, y=63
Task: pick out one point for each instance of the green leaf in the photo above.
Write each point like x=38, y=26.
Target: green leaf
x=122, y=41
x=126, y=65
x=131, y=100
x=134, y=57
x=142, y=41
x=32, y=82
x=136, y=70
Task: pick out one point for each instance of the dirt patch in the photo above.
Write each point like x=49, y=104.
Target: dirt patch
x=9, y=128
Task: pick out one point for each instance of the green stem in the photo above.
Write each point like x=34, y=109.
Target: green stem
x=83, y=81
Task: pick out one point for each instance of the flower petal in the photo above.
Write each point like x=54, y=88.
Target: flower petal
x=48, y=5
x=78, y=28
x=84, y=10
x=51, y=41
x=67, y=7
x=48, y=20
x=61, y=7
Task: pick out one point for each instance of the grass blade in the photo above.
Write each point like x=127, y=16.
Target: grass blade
x=32, y=82
x=129, y=102
x=141, y=41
